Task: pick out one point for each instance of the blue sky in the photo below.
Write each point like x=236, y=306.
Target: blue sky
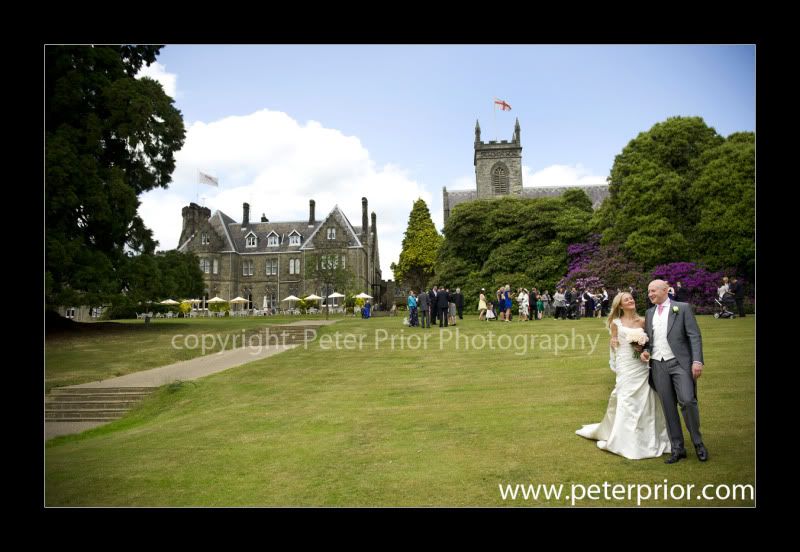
x=282, y=124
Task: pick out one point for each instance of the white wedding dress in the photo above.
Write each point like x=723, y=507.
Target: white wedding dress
x=634, y=425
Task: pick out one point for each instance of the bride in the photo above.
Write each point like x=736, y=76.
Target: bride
x=634, y=425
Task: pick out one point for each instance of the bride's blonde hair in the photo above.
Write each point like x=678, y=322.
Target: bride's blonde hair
x=616, y=309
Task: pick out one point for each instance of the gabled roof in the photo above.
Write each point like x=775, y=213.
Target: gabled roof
x=182, y=247
x=234, y=234
x=337, y=213
x=238, y=238
x=219, y=221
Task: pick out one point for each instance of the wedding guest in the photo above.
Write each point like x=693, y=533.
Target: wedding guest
x=412, y=309
x=547, y=304
x=432, y=299
x=458, y=299
x=737, y=288
x=522, y=301
x=482, y=307
x=423, y=309
x=723, y=289
x=681, y=293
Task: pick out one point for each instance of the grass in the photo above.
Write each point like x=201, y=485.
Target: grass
x=97, y=351
x=438, y=427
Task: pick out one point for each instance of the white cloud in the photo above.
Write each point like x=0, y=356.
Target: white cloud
x=560, y=175
x=275, y=164
x=158, y=72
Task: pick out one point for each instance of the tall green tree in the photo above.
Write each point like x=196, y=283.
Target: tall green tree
x=511, y=240
x=108, y=138
x=164, y=275
x=421, y=244
x=682, y=192
x=725, y=188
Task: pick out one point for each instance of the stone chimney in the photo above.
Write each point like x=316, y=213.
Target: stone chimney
x=364, y=219
x=311, y=221
x=374, y=228
x=245, y=214
x=264, y=217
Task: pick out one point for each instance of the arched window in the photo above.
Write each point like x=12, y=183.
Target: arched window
x=500, y=180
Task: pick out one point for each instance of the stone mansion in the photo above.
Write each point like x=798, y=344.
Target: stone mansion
x=498, y=172
x=266, y=261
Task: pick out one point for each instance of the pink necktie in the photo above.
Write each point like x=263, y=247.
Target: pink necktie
x=660, y=308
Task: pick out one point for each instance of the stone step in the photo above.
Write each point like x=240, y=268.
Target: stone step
x=70, y=397
x=88, y=405
x=92, y=404
x=85, y=414
x=80, y=390
x=75, y=419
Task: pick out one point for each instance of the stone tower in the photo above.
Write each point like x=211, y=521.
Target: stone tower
x=498, y=165
x=498, y=173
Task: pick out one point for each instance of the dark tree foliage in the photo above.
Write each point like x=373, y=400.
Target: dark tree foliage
x=681, y=192
x=108, y=138
x=522, y=242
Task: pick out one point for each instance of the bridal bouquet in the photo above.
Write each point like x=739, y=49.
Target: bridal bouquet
x=637, y=338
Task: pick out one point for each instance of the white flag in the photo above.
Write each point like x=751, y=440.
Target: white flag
x=206, y=179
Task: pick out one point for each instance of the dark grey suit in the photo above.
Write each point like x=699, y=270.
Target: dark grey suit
x=672, y=379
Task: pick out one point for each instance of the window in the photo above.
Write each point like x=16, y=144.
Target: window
x=343, y=258
x=204, y=239
x=271, y=300
x=251, y=240
x=329, y=262
x=272, y=241
x=205, y=265
x=500, y=180
x=272, y=267
x=247, y=268
x=294, y=239
x=215, y=270
x=331, y=233
x=294, y=266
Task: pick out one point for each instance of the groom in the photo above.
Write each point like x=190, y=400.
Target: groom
x=676, y=350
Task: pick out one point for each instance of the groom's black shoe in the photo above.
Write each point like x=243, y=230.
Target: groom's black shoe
x=676, y=455
x=702, y=453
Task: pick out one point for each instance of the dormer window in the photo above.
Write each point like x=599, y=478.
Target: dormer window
x=272, y=240
x=294, y=238
x=204, y=239
x=251, y=240
x=331, y=233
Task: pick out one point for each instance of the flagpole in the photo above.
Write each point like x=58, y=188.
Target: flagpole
x=494, y=119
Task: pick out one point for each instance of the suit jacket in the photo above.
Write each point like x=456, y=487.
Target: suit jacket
x=683, y=334
x=442, y=299
x=422, y=301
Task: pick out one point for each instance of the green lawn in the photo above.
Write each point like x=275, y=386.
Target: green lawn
x=102, y=351
x=394, y=427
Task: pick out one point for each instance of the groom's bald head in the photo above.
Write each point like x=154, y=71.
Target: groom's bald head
x=657, y=291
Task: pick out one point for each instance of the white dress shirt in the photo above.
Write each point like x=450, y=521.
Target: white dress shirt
x=661, y=349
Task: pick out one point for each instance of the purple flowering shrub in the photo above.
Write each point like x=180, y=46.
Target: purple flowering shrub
x=593, y=266
x=701, y=284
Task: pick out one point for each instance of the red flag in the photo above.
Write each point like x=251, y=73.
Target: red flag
x=503, y=105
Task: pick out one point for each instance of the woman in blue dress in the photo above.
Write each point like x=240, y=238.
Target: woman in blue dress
x=412, y=309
